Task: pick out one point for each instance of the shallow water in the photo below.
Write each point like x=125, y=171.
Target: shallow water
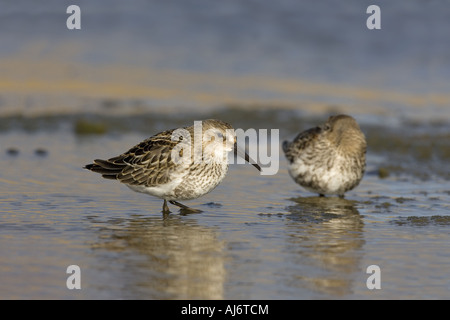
x=141, y=67
x=258, y=237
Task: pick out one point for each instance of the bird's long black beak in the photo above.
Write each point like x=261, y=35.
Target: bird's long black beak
x=244, y=155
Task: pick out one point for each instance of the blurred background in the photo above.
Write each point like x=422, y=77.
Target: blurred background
x=143, y=66
x=145, y=56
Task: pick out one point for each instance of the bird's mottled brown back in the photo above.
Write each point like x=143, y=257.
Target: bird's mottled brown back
x=149, y=163
x=330, y=158
x=300, y=143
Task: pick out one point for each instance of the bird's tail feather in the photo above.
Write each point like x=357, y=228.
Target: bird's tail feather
x=107, y=169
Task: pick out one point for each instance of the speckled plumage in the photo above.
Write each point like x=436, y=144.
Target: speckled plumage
x=329, y=159
x=150, y=168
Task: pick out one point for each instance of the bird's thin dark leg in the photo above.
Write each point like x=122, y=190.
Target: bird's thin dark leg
x=165, y=207
x=179, y=204
x=341, y=196
x=321, y=195
x=183, y=207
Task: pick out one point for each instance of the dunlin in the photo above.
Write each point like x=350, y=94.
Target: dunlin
x=178, y=164
x=329, y=159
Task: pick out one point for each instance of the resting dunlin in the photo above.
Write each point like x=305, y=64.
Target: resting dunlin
x=178, y=164
x=329, y=159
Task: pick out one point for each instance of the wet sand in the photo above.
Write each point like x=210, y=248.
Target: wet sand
x=259, y=237
x=69, y=97
x=54, y=87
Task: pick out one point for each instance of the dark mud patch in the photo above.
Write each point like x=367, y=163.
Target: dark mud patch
x=321, y=209
x=421, y=150
x=422, y=221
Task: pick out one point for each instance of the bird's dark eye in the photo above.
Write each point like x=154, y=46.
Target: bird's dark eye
x=327, y=127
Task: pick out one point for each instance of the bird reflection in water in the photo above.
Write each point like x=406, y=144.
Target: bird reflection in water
x=171, y=258
x=327, y=234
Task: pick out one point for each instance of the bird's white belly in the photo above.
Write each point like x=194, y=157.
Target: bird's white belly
x=322, y=179
x=161, y=191
x=185, y=186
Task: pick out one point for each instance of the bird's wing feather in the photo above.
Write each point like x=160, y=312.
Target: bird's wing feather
x=300, y=142
x=149, y=163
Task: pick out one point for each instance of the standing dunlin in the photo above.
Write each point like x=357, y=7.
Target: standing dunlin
x=328, y=159
x=178, y=164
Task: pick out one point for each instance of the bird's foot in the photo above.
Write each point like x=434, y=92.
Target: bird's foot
x=184, y=209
